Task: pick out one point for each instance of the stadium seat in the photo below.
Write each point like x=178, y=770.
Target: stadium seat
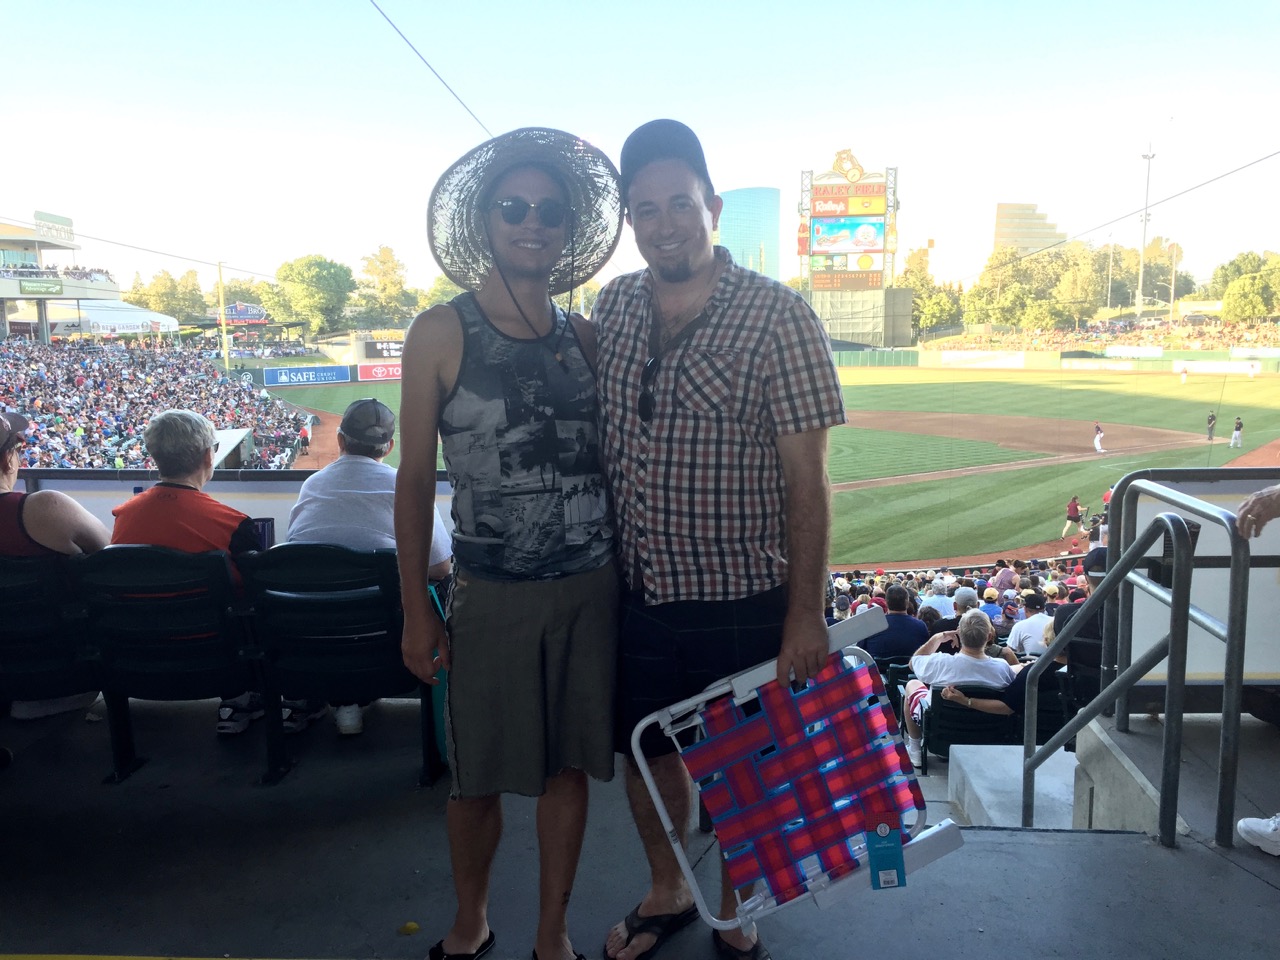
x=41, y=653
x=163, y=625
x=327, y=622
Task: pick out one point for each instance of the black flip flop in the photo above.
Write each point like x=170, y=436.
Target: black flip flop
x=661, y=925
x=437, y=950
x=726, y=951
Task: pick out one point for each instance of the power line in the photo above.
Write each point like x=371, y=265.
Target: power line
x=1133, y=213
x=431, y=68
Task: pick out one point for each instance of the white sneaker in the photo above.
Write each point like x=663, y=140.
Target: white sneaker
x=350, y=719
x=913, y=753
x=1263, y=834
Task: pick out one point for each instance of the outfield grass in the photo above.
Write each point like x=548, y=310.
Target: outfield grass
x=987, y=512
x=992, y=512
x=856, y=453
x=1141, y=399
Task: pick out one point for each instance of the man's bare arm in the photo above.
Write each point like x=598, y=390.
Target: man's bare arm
x=808, y=512
x=432, y=347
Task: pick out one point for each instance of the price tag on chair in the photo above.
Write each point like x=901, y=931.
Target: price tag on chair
x=884, y=850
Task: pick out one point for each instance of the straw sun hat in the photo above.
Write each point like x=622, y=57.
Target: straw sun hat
x=456, y=222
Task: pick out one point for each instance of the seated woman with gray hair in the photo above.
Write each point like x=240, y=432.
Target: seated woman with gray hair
x=175, y=513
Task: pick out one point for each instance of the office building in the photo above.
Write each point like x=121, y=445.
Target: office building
x=749, y=228
x=1026, y=229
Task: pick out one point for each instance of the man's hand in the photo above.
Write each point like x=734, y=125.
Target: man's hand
x=804, y=647
x=1257, y=510
x=425, y=647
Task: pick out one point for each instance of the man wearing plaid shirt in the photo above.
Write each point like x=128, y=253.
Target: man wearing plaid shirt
x=716, y=389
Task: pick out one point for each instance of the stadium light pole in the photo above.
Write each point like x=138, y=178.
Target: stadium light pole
x=222, y=322
x=1111, y=259
x=1142, y=250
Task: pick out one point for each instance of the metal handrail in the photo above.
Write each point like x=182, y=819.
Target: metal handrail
x=1173, y=646
x=1120, y=673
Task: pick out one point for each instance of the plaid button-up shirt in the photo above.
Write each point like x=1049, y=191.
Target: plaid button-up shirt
x=698, y=491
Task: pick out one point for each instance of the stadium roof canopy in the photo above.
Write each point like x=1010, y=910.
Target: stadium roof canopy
x=105, y=318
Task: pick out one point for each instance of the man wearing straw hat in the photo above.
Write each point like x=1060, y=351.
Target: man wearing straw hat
x=716, y=391
x=506, y=379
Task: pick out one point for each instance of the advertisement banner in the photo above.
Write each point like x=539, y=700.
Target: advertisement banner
x=846, y=206
x=237, y=314
x=832, y=235
x=305, y=376
x=378, y=371
x=48, y=287
x=383, y=349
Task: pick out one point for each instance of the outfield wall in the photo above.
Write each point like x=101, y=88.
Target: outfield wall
x=1212, y=362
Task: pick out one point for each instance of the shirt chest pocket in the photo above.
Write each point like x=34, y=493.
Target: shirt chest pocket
x=708, y=381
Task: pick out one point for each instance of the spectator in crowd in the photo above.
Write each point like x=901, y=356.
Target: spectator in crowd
x=1051, y=594
x=935, y=595
x=351, y=502
x=903, y=633
x=41, y=524
x=1095, y=561
x=175, y=513
x=1027, y=635
x=931, y=667
x=965, y=599
x=1257, y=510
x=1008, y=577
x=929, y=616
x=991, y=603
x=713, y=591
x=499, y=373
x=88, y=409
x=842, y=610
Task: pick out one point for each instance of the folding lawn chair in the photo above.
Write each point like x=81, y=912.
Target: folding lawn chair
x=799, y=783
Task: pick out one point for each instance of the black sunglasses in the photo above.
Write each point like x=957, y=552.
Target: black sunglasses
x=647, y=376
x=551, y=213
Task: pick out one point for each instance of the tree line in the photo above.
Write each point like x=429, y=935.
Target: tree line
x=319, y=295
x=1066, y=286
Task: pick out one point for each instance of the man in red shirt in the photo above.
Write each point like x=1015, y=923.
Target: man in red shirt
x=177, y=514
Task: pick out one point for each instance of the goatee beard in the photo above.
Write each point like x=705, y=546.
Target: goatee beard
x=679, y=273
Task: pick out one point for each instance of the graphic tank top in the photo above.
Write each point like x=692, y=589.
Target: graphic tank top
x=522, y=449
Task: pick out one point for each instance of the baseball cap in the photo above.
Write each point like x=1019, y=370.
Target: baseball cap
x=1032, y=600
x=842, y=603
x=368, y=421
x=660, y=140
x=10, y=426
x=991, y=593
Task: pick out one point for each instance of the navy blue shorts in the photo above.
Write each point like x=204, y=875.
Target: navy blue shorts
x=673, y=651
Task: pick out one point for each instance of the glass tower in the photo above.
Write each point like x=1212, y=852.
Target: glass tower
x=749, y=228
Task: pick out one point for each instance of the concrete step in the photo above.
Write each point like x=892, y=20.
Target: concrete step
x=985, y=787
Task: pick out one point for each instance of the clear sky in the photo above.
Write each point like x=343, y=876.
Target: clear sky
x=257, y=132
